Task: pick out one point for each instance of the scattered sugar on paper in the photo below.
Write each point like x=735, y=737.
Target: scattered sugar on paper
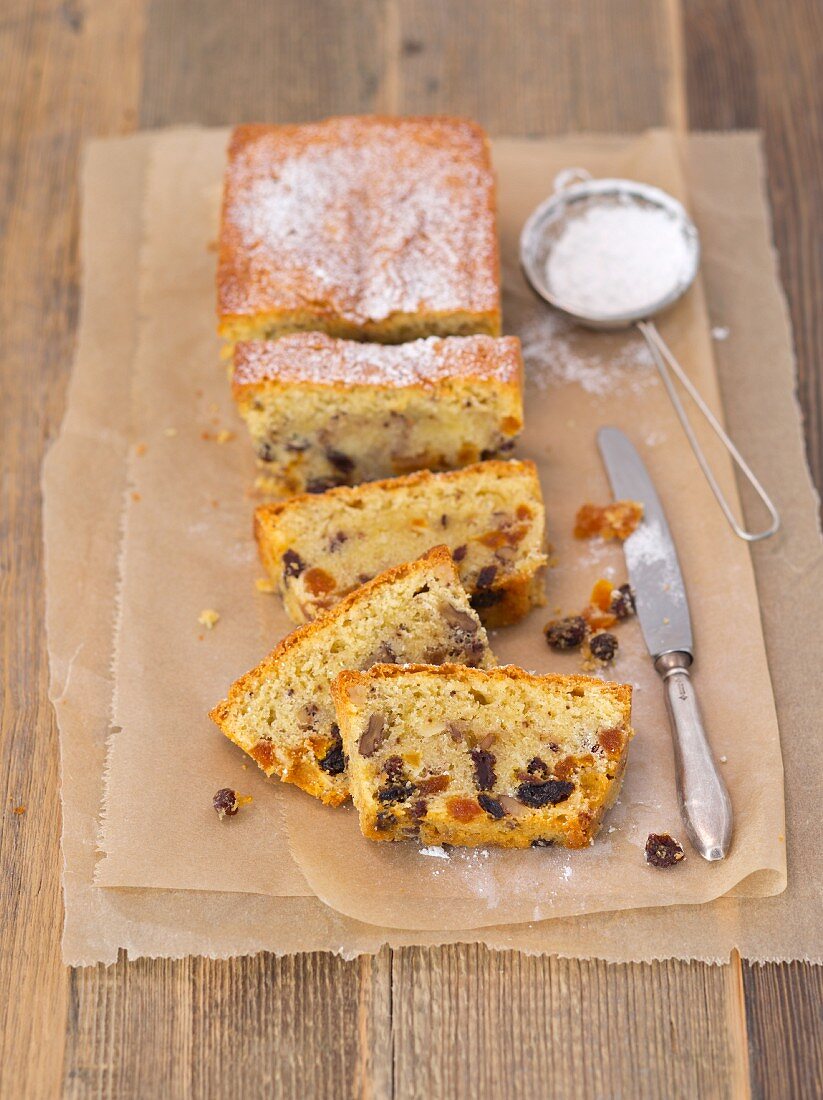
x=435, y=851
x=720, y=332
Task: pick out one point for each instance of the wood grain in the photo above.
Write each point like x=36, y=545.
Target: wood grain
x=455, y=1021
x=67, y=72
x=760, y=66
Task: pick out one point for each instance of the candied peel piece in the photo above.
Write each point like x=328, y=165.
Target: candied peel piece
x=611, y=521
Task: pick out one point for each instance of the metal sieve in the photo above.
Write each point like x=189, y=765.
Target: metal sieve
x=575, y=194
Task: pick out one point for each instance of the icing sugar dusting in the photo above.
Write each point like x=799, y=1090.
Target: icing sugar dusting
x=558, y=352
x=316, y=358
x=619, y=257
x=367, y=217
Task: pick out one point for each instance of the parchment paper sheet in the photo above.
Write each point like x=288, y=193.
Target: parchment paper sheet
x=177, y=922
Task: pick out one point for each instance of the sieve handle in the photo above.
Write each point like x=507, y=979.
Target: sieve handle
x=664, y=360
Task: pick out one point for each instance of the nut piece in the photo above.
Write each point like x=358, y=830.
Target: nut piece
x=374, y=736
x=227, y=802
x=566, y=633
x=663, y=850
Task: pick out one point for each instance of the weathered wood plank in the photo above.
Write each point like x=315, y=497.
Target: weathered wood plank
x=68, y=71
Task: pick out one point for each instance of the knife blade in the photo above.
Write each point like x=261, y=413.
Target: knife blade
x=651, y=557
x=663, y=613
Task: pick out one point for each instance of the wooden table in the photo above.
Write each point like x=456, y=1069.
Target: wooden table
x=460, y=1021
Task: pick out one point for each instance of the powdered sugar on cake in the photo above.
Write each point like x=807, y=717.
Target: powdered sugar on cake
x=365, y=217
x=313, y=357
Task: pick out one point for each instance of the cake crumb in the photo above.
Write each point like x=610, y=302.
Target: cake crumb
x=225, y=436
x=19, y=810
x=208, y=618
x=136, y=497
x=170, y=432
x=723, y=759
x=140, y=449
x=264, y=584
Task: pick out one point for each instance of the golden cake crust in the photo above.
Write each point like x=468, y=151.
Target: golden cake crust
x=365, y=226
x=599, y=772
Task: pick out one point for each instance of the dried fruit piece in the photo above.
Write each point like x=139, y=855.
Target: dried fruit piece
x=463, y=809
x=459, y=552
x=334, y=762
x=603, y=647
x=227, y=802
x=374, y=736
x=613, y=521
x=601, y=596
x=622, y=603
x=484, y=762
x=538, y=768
x=492, y=806
x=663, y=850
x=541, y=794
x=293, y=564
x=567, y=633
x=340, y=461
x=487, y=598
x=486, y=576
x=433, y=784
x=542, y=842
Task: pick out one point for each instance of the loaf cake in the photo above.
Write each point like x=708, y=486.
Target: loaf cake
x=281, y=712
x=367, y=228
x=461, y=756
x=325, y=412
x=318, y=547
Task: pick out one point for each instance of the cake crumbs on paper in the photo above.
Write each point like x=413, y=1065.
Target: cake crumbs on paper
x=225, y=436
x=19, y=810
x=435, y=851
x=208, y=618
x=170, y=432
x=136, y=497
x=264, y=584
x=141, y=449
x=723, y=759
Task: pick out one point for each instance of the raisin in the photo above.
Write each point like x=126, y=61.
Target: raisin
x=542, y=842
x=623, y=605
x=293, y=564
x=487, y=453
x=444, y=521
x=225, y=802
x=396, y=792
x=663, y=850
x=419, y=809
x=336, y=541
x=538, y=767
x=421, y=591
x=321, y=484
x=486, y=576
x=487, y=598
x=484, y=762
x=374, y=736
x=265, y=451
x=603, y=647
x=566, y=633
x=507, y=445
x=340, y=461
x=549, y=793
x=334, y=762
x=460, y=552
x=491, y=806
x=393, y=767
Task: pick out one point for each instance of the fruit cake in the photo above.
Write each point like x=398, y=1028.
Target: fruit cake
x=366, y=227
x=325, y=412
x=281, y=712
x=318, y=547
x=452, y=755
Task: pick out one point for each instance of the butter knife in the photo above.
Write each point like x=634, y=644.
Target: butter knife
x=663, y=613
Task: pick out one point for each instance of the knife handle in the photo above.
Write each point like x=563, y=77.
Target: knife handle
x=704, y=800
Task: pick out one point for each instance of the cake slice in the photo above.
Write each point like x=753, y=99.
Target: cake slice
x=462, y=756
x=367, y=228
x=281, y=712
x=319, y=547
x=325, y=412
